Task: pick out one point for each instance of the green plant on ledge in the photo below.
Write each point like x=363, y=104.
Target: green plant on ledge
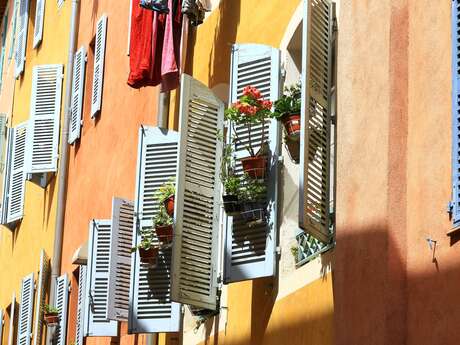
x=166, y=190
x=289, y=103
x=162, y=218
x=49, y=309
x=147, y=240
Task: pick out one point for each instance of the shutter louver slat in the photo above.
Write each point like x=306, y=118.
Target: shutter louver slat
x=21, y=39
x=79, y=332
x=78, y=86
x=39, y=16
x=62, y=302
x=250, y=250
x=99, y=57
x=97, y=285
x=43, y=132
x=151, y=308
x=16, y=188
x=120, y=259
x=12, y=317
x=25, y=310
x=41, y=294
x=195, y=249
x=315, y=147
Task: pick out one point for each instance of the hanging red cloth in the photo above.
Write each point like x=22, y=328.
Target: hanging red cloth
x=155, y=47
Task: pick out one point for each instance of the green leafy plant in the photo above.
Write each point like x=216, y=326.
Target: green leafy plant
x=166, y=190
x=252, y=189
x=295, y=252
x=289, y=103
x=228, y=178
x=147, y=240
x=49, y=309
x=251, y=109
x=162, y=218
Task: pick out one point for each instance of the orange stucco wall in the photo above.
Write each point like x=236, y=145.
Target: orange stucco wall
x=103, y=163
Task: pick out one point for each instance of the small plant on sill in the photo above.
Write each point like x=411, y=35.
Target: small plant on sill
x=295, y=252
x=251, y=110
x=51, y=315
x=163, y=225
x=287, y=110
x=165, y=196
x=148, y=247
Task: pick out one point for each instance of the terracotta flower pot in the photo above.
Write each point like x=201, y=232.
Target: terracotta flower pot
x=148, y=255
x=164, y=233
x=291, y=123
x=255, y=166
x=169, y=205
x=51, y=318
x=231, y=204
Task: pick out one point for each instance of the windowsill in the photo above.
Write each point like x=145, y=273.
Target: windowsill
x=454, y=231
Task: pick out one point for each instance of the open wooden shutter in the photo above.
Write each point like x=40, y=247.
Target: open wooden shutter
x=315, y=146
x=1, y=326
x=39, y=16
x=78, y=86
x=79, y=332
x=151, y=309
x=195, y=249
x=16, y=188
x=99, y=57
x=250, y=251
x=97, y=285
x=21, y=39
x=120, y=259
x=62, y=302
x=25, y=310
x=12, y=317
x=43, y=133
x=41, y=294
x=6, y=175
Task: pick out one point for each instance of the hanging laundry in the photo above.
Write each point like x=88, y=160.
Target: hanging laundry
x=160, y=6
x=195, y=11
x=155, y=47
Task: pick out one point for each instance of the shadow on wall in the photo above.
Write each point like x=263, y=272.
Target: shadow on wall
x=224, y=37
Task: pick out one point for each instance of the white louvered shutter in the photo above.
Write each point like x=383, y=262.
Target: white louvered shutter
x=97, y=284
x=39, y=16
x=16, y=188
x=1, y=327
x=43, y=132
x=25, y=311
x=21, y=38
x=99, y=57
x=79, y=332
x=41, y=294
x=195, y=249
x=12, y=317
x=250, y=251
x=78, y=86
x=151, y=308
x=62, y=303
x=315, y=146
x=120, y=259
x=6, y=175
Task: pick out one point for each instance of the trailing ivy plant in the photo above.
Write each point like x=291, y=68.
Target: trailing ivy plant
x=162, y=218
x=147, y=240
x=166, y=190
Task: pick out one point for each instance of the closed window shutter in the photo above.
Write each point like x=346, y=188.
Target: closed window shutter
x=78, y=86
x=41, y=294
x=12, y=317
x=195, y=249
x=25, y=310
x=151, y=308
x=1, y=327
x=79, y=332
x=21, y=39
x=43, y=132
x=16, y=188
x=62, y=302
x=120, y=259
x=315, y=146
x=250, y=251
x=6, y=174
x=99, y=56
x=39, y=16
x=97, y=285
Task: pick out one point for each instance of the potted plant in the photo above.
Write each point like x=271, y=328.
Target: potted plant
x=230, y=181
x=252, y=197
x=163, y=226
x=287, y=110
x=51, y=315
x=148, y=249
x=251, y=110
x=165, y=196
